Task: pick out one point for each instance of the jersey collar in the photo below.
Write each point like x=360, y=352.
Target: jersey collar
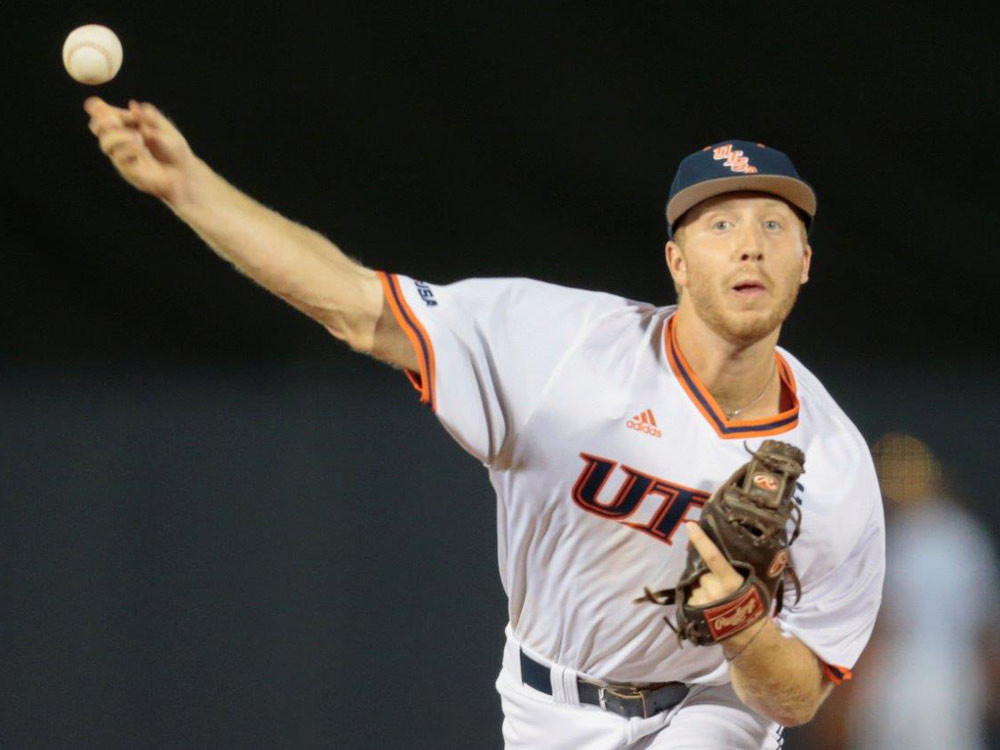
x=702, y=399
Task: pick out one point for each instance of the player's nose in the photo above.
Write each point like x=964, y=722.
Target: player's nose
x=749, y=244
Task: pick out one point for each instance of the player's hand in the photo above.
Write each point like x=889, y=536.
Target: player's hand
x=143, y=145
x=722, y=580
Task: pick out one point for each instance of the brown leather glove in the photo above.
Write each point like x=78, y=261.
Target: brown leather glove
x=748, y=519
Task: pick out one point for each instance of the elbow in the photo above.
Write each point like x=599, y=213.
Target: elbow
x=350, y=314
x=796, y=715
x=356, y=328
x=356, y=321
x=359, y=339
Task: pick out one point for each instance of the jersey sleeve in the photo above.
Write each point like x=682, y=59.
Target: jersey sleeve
x=837, y=611
x=488, y=347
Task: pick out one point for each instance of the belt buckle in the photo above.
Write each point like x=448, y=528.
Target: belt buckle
x=620, y=695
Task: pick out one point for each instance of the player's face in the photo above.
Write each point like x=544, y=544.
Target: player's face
x=740, y=259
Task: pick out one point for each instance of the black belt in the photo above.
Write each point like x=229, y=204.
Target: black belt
x=624, y=700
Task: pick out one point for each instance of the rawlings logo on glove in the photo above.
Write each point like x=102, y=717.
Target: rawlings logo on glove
x=747, y=519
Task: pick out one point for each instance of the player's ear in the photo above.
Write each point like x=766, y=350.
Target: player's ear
x=676, y=263
x=807, y=255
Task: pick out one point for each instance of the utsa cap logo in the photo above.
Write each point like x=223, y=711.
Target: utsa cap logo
x=734, y=159
x=733, y=165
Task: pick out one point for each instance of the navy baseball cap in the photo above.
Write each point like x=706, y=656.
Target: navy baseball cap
x=731, y=166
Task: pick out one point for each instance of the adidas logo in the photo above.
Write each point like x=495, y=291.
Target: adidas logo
x=644, y=422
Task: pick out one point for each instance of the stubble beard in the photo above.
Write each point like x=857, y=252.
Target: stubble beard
x=741, y=328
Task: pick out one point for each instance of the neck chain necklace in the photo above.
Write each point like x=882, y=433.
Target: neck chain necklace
x=758, y=397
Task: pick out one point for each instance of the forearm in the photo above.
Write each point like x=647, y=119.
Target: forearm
x=290, y=260
x=774, y=675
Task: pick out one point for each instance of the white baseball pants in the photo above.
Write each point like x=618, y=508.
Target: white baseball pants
x=710, y=718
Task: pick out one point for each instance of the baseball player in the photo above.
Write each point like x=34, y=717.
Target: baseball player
x=605, y=425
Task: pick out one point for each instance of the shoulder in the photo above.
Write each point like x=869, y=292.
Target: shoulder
x=516, y=301
x=841, y=496
x=826, y=426
x=519, y=290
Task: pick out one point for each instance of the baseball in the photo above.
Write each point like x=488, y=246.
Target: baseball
x=92, y=54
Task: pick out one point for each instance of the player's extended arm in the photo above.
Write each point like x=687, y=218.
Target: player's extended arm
x=773, y=674
x=292, y=261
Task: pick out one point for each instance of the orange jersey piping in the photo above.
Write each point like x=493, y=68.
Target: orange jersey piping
x=702, y=399
x=836, y=674
x=417, y=334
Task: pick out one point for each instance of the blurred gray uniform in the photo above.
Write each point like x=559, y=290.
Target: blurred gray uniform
x=927, y=685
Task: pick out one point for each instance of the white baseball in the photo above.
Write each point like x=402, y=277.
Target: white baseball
x=92, y=54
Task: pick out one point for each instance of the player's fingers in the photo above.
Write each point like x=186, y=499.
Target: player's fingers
x=147, y=114
x=93, y=104
x=705, y=593
x=164, y=141
x=136, y=111
x=153, y=115
x=163, y=123
x=127, y=154
x=112, y=140
x=103, y=122
x=714, y=559
x=712, y=588
x=103, y=114
x=163, y=147
x=149, y=133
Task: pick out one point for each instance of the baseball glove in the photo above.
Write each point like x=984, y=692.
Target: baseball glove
x=747, y=518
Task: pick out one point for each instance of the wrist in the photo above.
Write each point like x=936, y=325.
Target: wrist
x=193, y=187
x=737, y=645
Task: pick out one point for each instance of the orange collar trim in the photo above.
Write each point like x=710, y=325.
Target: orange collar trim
x=702, y=399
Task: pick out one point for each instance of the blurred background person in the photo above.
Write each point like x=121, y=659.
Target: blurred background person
x=930, y=676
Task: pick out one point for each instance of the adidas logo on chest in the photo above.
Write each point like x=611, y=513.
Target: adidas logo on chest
x=644, y=422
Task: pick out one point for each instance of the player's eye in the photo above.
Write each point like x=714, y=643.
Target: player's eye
x=721, y=225
x=772, y=225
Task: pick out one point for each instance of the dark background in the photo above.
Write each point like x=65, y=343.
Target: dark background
x=219, y=526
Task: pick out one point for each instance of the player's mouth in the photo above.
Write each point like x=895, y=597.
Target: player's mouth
x=749, y=288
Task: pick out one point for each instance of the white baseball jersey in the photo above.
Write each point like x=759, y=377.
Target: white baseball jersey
x=600, y=441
